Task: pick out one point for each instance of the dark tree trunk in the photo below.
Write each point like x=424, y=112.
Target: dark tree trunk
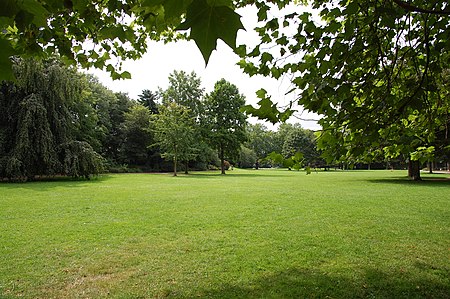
x=186, y=167
x=257, y=164
x=414, y=170
x=430, y=166
x=175, y=164
x=222, y=160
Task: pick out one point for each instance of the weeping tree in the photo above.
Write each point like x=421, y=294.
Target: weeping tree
x=35, y=121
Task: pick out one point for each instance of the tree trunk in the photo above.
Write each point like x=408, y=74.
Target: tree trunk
x=430, y=166
x=257, y=165
x=175, y=165
x=222, y=161
x=186, y=169
x=414, y=170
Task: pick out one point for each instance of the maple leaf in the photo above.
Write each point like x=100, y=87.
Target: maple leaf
x=208, y=23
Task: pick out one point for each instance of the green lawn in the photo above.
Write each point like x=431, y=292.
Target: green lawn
x=249, y=234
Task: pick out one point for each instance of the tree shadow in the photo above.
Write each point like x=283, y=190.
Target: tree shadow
x=432, y=181
x=229, y=174
x=307, y=283
x=44, y=184
x=237, y=173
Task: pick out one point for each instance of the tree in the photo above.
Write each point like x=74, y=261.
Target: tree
x=149, y=99
x=111, y=109
x=223, y=121
x=137, y=136
x=247, y=158
x=370, y=68
x=95, y=33
x=80, y=159
x=301, y=141
x=184, y=89
x=261, y=141
x=174, y=133
x=37, y=126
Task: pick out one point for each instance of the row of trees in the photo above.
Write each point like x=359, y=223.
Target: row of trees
x=57, y=121
x=377, y=71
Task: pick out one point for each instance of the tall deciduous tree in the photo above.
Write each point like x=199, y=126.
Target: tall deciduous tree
x=261, y=141
x=224, y=123
x=301, y=141
x=184, y=89
x=174, y=133
x=137, y=136
x=370, y=68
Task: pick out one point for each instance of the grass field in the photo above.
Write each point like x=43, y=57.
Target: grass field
x=249, y=234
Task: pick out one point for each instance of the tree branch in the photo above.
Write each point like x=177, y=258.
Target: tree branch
x=412, y=8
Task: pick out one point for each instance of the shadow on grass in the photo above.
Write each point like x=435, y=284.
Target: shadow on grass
x=306, y=283
x=432, y=181
x=234, y=174
x=49, y=183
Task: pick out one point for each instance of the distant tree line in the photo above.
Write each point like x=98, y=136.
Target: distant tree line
x=57, y=121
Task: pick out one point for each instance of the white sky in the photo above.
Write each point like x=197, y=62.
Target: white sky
x=152, y=71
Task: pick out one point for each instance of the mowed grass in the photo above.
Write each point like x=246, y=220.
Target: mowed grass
x=249, y=234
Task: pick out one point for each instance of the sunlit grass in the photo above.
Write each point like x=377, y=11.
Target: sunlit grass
x=249, y=234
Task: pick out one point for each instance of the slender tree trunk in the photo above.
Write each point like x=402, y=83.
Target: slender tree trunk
x=222, y=160
x=430, y=166
x=414, y=170
x=175, y=161
x=257, y=164
x=186, y=167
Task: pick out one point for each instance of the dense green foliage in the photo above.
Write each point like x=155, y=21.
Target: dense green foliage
x=57, y=121
x=374, y=70
x=224, y=122
x=39, y=121
x=174, y=133
x=270, y=148
x=96, y=33
x=361, y=234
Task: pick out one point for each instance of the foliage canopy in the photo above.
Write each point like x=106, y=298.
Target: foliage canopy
x=94, y=33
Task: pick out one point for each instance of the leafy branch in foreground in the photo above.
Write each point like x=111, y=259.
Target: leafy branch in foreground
x=101, y=34
x=373, y=70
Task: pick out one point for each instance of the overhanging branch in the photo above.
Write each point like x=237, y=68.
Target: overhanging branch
x=413, y=8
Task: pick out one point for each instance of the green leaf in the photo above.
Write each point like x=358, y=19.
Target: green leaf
x=266, y=57
x=8, y=8
x=37, y=10
x=262, y=13
x=209, y=23
x=261, y=93
x=241, y=51
x=5, y=61
x=125, y=75
x=80, y=5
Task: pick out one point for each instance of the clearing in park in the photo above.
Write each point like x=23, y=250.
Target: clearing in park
x=249, y=234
